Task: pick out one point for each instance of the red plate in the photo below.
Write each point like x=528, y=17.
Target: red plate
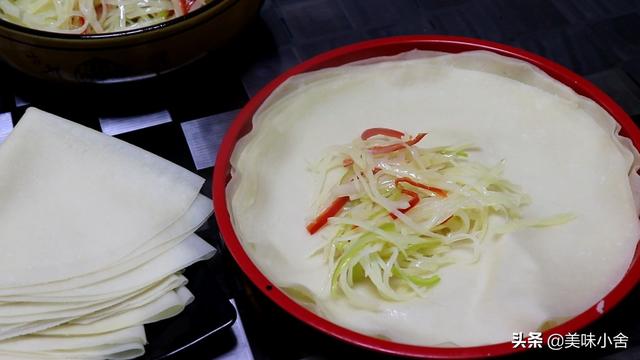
x=391, y=46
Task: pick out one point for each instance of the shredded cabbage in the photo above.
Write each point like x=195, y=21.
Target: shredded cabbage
x=93, y=16
x=410, y=212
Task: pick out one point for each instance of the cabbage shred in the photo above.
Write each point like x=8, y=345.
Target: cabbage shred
x=93, y=16
x=378, y=240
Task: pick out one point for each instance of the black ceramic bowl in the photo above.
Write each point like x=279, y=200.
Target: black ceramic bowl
x=127, y=55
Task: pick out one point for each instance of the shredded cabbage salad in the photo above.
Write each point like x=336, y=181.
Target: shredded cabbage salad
x=93, y=16
x=395, y=213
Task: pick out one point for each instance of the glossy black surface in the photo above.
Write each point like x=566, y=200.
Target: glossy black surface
x=198, y=329
x=183, y=116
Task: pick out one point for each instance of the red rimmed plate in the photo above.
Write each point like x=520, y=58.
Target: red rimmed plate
x=385, y=47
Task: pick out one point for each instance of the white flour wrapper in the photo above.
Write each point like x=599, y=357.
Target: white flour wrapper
x=53, y=171
x=562, y=148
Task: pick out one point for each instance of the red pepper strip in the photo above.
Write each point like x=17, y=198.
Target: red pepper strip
x=393, y=147
x=331, y=211
x=445, y=220
x=185, y=7
x=441, y=193
x=369, y=133
x=415, y=199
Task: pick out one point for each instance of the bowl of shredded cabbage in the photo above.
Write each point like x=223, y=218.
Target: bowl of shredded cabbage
x=424, y=196
x=114, y=41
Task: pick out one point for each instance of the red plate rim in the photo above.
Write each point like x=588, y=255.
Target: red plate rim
x=391, y=46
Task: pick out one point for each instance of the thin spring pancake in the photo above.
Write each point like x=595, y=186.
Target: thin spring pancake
x=129, y=350
x=36, y=343
x=186, y=253
x=120, y=308
x=144, y=293
x=64, y=187
x=147, y=293
x=166, y=306
x=560, y=147
x=199, y=211
x=110, y=292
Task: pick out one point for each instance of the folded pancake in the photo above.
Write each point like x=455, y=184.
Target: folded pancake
x=143, y=295
x=121, y=344
x=129, y=350
x=127, y=306
x=560, y=147
x=186, y=253
x=166, y=306
x=147, y=293
x=52, y=172
x=81, y=340
x=95, y=235
x=195, y=216
x=110, y=292
x=37, y=343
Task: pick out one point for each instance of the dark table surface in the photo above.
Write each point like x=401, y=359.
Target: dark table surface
x=183, y=115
